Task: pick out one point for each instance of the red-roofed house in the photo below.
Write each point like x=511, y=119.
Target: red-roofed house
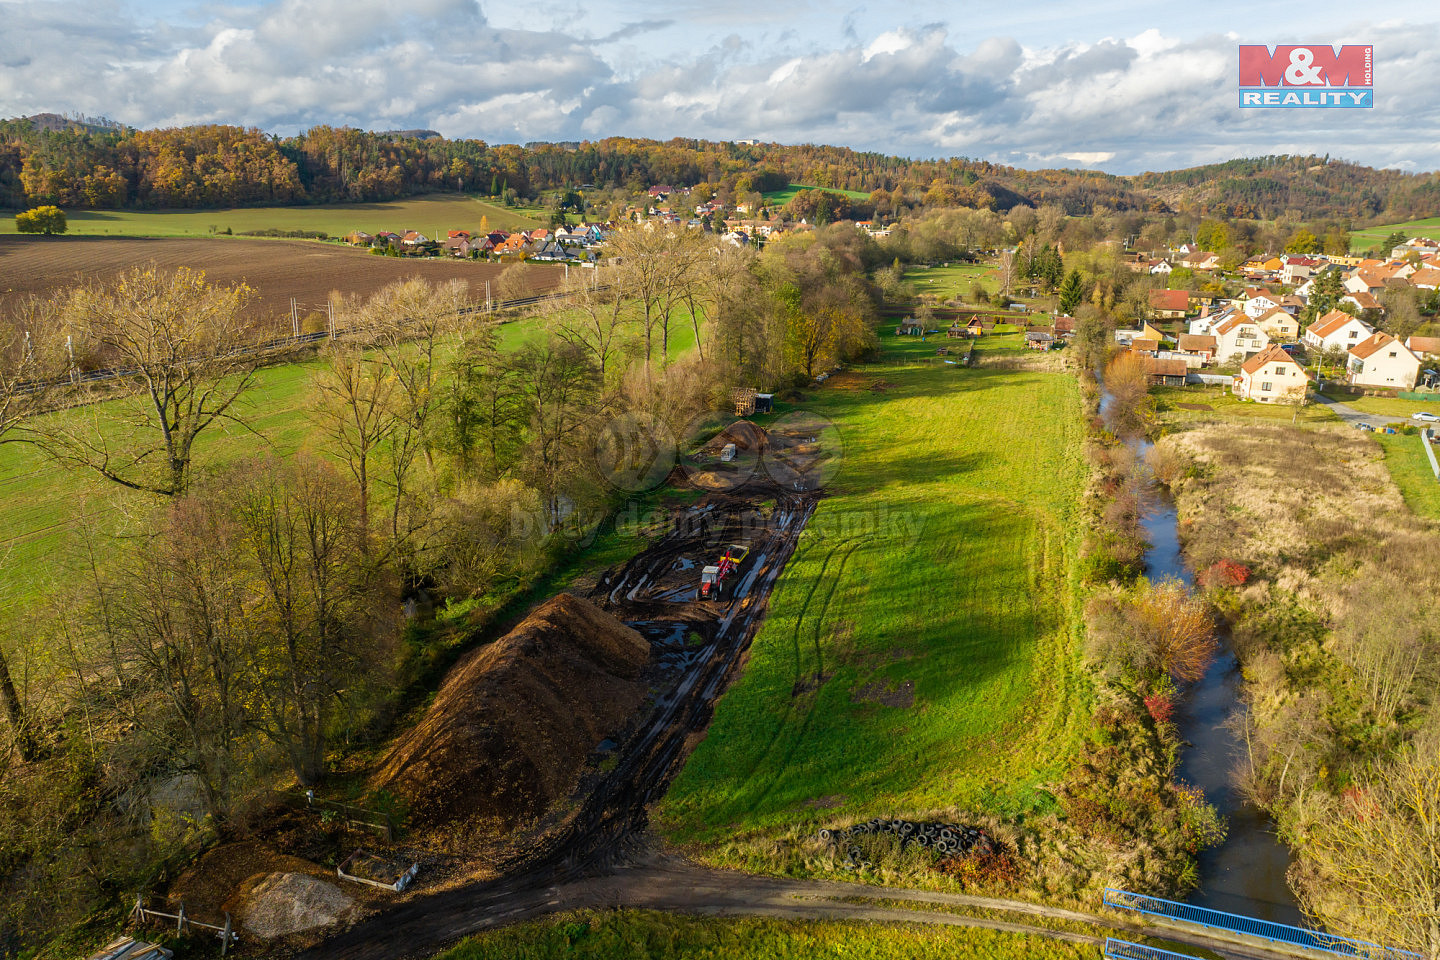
x=1169, y=304
x=1382, y=361
x=1336, y=329
x=1272, y=376
x=1238, y=337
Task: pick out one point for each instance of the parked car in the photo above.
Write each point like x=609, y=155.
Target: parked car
x=1362, y=425
x=1425, y=417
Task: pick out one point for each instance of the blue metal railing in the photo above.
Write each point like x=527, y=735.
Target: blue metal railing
x=1250, y=926
x=1125, y=950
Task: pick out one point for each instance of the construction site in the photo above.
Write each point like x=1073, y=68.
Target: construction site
x=538, y=758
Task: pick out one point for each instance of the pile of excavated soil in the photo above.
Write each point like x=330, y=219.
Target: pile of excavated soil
x=284, y=903
x=510, y=728
x=744, y=434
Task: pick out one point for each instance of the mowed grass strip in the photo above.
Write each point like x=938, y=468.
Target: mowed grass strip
x=1410, y=469
x=1386, y=406
x=1225, y=406
x=429, y=213
x=652, y=935
x=920, y=650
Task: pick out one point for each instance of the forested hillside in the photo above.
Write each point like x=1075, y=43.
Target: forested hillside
x=84, y=165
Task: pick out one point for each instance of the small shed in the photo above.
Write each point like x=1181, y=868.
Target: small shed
x=955, y=331
x=1039, y=340
x=1168, y=372
x=764, y=402
x=976, y=327
x=910, y=327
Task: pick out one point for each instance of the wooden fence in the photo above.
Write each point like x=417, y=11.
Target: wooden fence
x=184, y=924
x=381, y=823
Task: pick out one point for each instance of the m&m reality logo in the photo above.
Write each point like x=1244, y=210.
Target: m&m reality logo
x=1314, y=75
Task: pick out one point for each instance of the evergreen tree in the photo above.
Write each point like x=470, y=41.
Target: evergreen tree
x=1071, y=293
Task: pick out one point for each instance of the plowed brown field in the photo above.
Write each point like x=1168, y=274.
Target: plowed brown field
x=277, y=269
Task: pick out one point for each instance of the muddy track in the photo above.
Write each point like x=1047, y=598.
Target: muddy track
x=608, y=827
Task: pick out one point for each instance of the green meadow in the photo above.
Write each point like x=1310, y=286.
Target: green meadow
x=956, y=280
x=1370, y=236
x=431, y=214
x=920, y=649
x=1176, y=404
x=650, y=935
x=782, y=197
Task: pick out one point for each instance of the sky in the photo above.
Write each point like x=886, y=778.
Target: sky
x=1123, y=87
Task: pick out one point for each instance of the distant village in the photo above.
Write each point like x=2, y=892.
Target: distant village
x=579, y=243
x=1260, y=329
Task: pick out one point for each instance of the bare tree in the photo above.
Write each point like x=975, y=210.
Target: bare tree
x=316, y=619
x=592, y=318
x=1380, y=845
x=353, y=406
x=178, y=341
x=656, y=265
x=559, y=391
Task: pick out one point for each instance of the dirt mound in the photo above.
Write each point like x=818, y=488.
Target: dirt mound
x=514, y=721
x=284, y=903
x=207, y=888
x=744, y=434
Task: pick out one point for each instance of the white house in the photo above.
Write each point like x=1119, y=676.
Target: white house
x=1336, y=329
x=1237, y=338
x=1382, y=361
x=1271, y=376
x=1279, y=325
x=1261, y=303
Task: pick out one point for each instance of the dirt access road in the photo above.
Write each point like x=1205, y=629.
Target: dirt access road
x=603, y=857
x=660, y=882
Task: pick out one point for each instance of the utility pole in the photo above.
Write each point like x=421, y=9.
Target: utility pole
x=294, y=318
x=331, y=305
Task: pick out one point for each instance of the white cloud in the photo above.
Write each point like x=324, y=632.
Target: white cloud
x=1153, y=99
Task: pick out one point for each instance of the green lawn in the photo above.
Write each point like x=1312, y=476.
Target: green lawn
x=1410, y=468
x=1370, y=236
x=952, y=281
x=1226, y=406
x=1386, y=406
x=650, y=935
x=939, y=565
x=431, y=214
x=782, y=197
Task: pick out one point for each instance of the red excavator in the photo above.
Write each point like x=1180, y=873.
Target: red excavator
x=712, y=578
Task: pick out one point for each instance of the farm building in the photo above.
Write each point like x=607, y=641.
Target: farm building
x=1164, y=373
x=910, y=327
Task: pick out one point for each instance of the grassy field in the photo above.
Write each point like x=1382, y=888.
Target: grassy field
x=1386, y=406
x=45, y=508
x=1370, y=236
x=782, y=197
x=1224, y=406
x=953, y=281
x=431, y=214
x=1405, y=459
x=919, y=654
x=648, y=935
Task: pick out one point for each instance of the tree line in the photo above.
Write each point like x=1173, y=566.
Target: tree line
x=216, y=165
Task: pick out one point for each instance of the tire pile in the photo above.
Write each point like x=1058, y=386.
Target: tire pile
x=946, y=839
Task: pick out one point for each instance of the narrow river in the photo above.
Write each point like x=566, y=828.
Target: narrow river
x=1246, y=873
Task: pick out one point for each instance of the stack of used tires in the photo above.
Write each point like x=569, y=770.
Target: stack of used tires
x=946, y=839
